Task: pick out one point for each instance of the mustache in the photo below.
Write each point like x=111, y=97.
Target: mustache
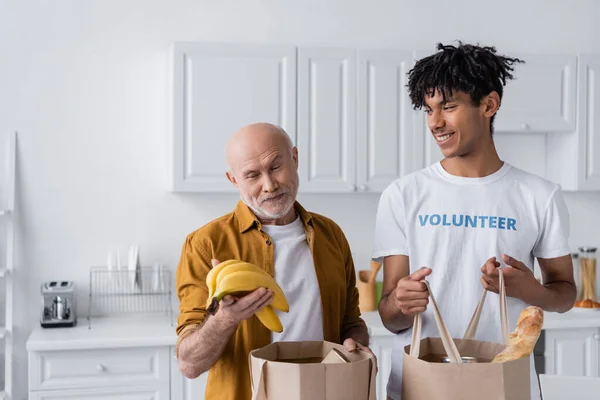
x=276, y=194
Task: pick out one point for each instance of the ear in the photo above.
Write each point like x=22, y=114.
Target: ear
x=295, y=156
x=231, y=178
x=490, y=104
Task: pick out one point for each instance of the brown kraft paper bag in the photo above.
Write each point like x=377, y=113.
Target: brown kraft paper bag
x=293, y=371
x=426, y=377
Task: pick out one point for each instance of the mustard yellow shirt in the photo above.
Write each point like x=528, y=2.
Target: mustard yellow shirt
x=239, y=235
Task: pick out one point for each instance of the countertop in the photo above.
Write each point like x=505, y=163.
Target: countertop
x=118, y=332
x=114, y=332
x=141, y=331
x=575, y=318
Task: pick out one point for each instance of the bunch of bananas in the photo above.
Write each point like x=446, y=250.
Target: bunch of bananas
x=238, y=278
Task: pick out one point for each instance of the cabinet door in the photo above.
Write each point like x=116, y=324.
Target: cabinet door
x=542, y=97
x=572, y=352
x=326, y=119
x=216, y=90
x=589, y=123
x=132, y=393
x=382, y=346
x=64, y=369
x=388, y=147
x=183, y=388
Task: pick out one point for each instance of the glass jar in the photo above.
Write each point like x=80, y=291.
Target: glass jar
x=587, y=274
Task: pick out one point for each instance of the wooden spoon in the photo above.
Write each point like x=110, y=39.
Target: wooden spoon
x=374, y=269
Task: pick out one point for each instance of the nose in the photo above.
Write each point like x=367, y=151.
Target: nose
x=436, y=121
x=269, y=184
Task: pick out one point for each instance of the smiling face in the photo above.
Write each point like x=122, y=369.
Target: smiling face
x=264, y=169
x=458, y=126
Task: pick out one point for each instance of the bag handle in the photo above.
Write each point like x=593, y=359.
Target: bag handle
x=474, y=323
x=447, y=342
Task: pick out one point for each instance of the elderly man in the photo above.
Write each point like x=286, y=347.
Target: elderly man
x=307, y=254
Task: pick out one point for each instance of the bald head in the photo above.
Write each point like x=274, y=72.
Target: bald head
x=253, y=140
x=263, y=166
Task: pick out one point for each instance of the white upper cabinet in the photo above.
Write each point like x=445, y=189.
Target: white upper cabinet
x=387, y=146
x=589, y=122
x=216, y=90
x=349, y=113
x=542, y=97
x=574, y=160
x=326, y=119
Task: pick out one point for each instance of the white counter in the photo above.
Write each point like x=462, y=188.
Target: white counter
x=575, y=318
x=115, y=332
x=121, y=332
x=142, y=332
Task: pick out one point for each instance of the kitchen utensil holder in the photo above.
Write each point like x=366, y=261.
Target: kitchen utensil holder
x=146, y=290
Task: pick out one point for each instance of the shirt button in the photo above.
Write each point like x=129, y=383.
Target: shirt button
x=268, y=241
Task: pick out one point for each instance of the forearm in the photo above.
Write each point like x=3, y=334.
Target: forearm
x=391, y=316
x=199, y=351
x=553, y=296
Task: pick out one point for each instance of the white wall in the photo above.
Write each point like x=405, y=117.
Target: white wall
x=85, y=84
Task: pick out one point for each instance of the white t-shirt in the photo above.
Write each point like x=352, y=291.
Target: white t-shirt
x=295, y=274
x=454, y=224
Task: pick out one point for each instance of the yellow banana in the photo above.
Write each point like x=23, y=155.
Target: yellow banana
x=269, y=318
x=243, y=282
x=237, y=267
x=211, y=278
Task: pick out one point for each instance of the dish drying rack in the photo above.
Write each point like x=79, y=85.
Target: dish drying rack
x=140, y=291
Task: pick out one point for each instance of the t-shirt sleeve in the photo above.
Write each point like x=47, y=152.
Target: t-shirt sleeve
x=553, y=240
x=390, y=226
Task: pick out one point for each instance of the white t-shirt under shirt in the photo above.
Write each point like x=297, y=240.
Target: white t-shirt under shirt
x=295, y=274
x=454, y=224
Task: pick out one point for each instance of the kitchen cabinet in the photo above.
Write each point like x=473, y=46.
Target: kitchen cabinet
x=134, y=358
x=543, y=96
x=102, y=394
x=574, y=160
x=183, y=388
x=217, y=89
x=355, y=122
x=117, y=358
x=326, y=119
x=349, y=113
x=388, y=147
x=571, y=343
x=354, y=125
x=382, y=343
x=572, y=352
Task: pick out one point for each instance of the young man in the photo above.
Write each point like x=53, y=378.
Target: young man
x=445, y=222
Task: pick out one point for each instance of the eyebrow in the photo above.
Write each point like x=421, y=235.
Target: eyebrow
x=442, y=102
x=253, y=170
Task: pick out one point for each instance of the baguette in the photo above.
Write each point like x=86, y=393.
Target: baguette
x=523, y=339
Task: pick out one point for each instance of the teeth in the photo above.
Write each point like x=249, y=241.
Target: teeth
x=441, y=138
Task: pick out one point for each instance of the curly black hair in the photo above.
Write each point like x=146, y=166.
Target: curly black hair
x=468, y=68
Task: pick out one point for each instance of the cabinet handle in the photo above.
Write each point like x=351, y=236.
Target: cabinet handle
x=100, y=368
x=352, y=188
x=525, y=127
x=597, y=336
x=363, y=188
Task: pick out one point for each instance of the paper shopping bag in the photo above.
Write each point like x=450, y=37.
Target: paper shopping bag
x=294, y=371
x=443, y=368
